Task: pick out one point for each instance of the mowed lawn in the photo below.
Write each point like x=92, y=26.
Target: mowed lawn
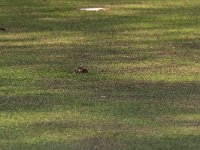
x=142, y=91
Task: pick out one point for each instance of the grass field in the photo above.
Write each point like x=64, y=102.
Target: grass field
x=143, y=86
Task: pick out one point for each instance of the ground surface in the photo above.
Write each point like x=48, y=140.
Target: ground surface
x=143, y=86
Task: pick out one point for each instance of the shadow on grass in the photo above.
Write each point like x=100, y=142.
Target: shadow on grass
x=109, y=97
x=71, y=19
x=101, y=143
x=113, y=143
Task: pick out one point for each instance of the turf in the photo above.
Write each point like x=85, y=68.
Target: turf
x=143, y=86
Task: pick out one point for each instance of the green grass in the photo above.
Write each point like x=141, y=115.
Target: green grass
x=143, y=86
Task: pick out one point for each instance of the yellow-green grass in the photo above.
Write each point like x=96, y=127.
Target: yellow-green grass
x=143, y=86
